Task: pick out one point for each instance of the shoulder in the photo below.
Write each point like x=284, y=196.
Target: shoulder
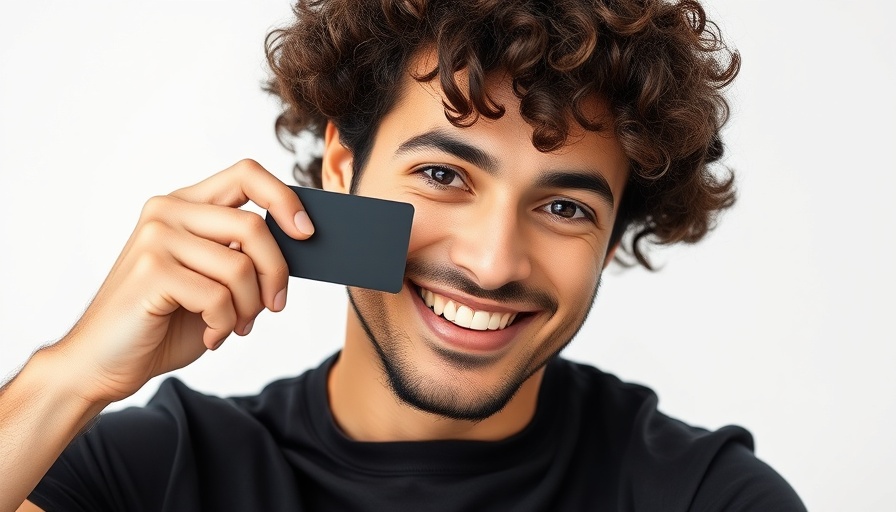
x=141, y=457
x=738, y=481
x=667, y=464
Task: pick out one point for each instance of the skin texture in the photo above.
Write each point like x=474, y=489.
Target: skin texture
x=197, y=268
x=487, y=239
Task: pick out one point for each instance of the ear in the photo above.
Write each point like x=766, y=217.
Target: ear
x=611, y=253
x=336, y=164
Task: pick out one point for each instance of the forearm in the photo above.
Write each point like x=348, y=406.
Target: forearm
x=177, y=290
x=39, y=416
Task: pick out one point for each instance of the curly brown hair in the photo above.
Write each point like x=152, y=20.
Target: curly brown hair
x=661, y=66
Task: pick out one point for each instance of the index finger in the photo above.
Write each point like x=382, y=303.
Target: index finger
x=248, y=181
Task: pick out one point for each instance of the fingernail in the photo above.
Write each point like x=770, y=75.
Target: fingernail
x=303, y=223
x=280, y=300
x=248, y=328
x=218, y=343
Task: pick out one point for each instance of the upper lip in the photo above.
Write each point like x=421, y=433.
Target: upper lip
x=473, y=303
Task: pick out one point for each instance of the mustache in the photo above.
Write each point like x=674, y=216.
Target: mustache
x=451, y=277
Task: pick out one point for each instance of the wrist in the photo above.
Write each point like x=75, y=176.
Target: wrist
x=39, y=417
x=59, y=380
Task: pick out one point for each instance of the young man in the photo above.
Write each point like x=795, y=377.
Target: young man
x=533, y=139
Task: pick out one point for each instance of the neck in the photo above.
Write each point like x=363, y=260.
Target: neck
x=366, y=409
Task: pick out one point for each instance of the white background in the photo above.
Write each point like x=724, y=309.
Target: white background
x=778, y=322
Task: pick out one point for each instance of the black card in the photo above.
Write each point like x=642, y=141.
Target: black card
x=357, y=241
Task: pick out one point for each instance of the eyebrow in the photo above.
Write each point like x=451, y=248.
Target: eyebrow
x=442, y=141
x=592, y=181
x=589, y=180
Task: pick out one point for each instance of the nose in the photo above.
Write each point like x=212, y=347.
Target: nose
x=491, y=245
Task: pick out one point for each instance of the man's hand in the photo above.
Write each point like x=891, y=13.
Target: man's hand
x=195, y=269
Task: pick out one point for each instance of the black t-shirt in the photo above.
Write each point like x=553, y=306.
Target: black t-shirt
x=595, y=443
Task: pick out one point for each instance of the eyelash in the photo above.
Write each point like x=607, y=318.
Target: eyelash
x=587, y=214
x=431, y=181
x=425, y=173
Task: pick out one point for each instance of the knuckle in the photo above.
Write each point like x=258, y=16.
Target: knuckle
x=248, y=225
x=248, y=165
x=285, y=196
x=253, y=224
x=242, y=266
x=280, y=272
x=219, y=298
x=153, y=206
x=148, y=264
x=151, y=231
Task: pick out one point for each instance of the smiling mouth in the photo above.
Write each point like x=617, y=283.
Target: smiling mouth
x=465, y=316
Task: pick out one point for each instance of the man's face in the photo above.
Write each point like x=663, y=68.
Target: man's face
x=506, y=249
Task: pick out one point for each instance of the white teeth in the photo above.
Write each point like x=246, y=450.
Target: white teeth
x=494, y=320
x=438, y=305
x=505, y=318
x=480, y=321
x=464, y=316
x=450, y=310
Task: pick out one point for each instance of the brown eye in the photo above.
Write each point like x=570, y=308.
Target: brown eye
x=443, y=176
x=565, y=209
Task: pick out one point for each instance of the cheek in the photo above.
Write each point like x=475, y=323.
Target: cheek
x=573, y=268
x=430, y=225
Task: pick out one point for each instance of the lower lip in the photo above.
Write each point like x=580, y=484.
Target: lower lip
x=466, y=340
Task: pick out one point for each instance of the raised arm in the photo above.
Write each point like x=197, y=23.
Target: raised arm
x=195, y=269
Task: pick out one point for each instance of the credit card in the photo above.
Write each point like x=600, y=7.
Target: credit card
x=357, y=241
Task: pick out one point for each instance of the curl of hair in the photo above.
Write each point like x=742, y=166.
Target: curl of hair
x=661, y=65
